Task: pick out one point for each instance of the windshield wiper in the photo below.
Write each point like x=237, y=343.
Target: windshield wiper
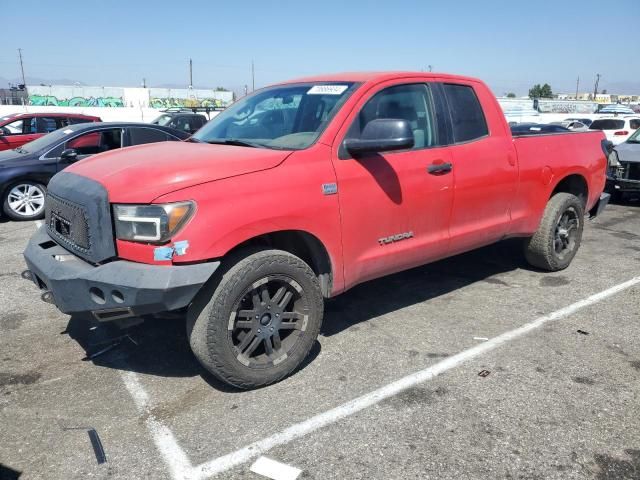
x=20, y=150
x=234, y=141
x=193, y=139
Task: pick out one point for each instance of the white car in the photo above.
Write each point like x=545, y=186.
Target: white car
x=574, y=125
x=617, y=128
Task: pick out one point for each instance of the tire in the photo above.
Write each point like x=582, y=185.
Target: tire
x=24, y=200
x=559, y=234
x=232, y=324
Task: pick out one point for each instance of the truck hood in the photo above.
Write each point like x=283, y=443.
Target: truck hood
x=628, y=152
x=143, y=173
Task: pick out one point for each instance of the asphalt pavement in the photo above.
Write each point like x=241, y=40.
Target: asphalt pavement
x=557, y=400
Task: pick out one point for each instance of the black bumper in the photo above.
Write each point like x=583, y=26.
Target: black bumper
x=115, y=290
x=615, y=184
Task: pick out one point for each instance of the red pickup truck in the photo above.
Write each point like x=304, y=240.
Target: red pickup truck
x=297, y=193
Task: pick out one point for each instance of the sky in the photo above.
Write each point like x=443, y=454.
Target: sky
x=511, y=45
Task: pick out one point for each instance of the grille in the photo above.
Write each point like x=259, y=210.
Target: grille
x=67, y=223
x=631, y=170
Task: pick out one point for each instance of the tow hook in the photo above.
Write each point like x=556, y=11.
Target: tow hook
x=47, y=297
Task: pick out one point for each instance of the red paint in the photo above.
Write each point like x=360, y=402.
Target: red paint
x=498, y=187
x=8, y=142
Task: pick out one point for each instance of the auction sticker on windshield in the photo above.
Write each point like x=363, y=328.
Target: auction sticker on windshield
x=327, y=89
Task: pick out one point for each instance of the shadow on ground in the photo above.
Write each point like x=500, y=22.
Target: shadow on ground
x=159, y=346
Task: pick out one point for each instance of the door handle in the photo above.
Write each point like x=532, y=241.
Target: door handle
x=439, y=168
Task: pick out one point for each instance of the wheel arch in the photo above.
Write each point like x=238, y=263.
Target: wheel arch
x=574, y=183
x=302, y=244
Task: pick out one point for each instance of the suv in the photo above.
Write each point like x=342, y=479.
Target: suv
x=20, y=128
x=617, y=129
x=182, y=120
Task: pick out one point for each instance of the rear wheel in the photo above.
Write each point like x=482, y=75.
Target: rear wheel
x=24, y=200
x=258, y=322
x=559, y=235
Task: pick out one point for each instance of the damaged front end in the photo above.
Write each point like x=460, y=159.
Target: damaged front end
x=623, y=169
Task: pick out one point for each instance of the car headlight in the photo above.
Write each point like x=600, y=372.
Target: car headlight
x=613, y=159
x=151, y=223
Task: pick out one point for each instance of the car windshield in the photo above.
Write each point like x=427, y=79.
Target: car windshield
x=46, y=140
x=287, y=117
x=163, y=120
x=635, y=137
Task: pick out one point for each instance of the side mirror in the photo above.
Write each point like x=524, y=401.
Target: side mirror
x=69, y=155
x=381, y=135
x=4, y=131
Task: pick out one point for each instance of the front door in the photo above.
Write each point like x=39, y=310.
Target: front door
x=394, y=207
x=17, y=133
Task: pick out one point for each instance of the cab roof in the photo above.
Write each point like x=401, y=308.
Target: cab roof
x=374, y=77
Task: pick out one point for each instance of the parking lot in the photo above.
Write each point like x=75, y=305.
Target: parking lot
x=559, y=398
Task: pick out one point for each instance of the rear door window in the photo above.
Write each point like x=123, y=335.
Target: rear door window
x=467, y=117
x=607, y=124
x=141, y=136
x=44, y=124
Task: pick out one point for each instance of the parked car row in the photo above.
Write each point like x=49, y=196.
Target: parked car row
x=26, y=170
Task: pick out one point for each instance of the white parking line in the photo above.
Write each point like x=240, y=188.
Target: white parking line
x=180, y=465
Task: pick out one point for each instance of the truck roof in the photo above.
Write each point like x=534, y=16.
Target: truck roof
x=374, y=77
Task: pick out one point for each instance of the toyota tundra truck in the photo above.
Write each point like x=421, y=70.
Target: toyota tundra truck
x=295, y=194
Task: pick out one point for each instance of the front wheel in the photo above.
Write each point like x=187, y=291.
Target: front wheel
x=559, y=234
x=257, y=323
x=24, y=200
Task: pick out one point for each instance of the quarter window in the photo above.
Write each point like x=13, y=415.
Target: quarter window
x=466, y=113
x=405, y=102
x=634, y=124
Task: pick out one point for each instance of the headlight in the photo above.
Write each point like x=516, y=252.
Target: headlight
x=613, y=159
x=151, y=223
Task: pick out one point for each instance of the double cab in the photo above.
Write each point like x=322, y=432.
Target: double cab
x=298, y=192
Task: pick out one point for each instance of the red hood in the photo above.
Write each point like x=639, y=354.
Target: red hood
x=143, y=173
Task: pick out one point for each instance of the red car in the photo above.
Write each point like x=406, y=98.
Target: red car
x=20, y=128
x=298, y=192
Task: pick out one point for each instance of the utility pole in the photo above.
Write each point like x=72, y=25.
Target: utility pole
x=24, y=82
x=253, y=77
x=144, y=82
x=577, y=86
x=595, y=88
x=190, y=73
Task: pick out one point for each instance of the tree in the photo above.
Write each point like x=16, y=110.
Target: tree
x=538, y=91
x=511, y=95
x=221, y=89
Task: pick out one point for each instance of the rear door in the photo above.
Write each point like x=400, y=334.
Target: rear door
x=484, y=168
x=394, y=212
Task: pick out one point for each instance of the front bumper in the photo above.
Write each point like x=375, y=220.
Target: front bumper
x=114, y=290
x=615, y=184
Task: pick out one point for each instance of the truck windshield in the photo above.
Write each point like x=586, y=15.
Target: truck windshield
x=286, y=117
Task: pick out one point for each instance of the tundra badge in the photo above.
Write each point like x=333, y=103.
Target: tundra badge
x=395, y=238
